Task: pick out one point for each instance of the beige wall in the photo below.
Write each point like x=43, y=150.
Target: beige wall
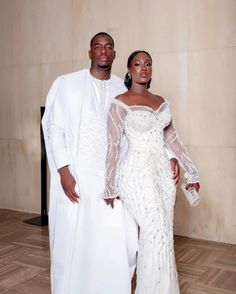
x=193, y=46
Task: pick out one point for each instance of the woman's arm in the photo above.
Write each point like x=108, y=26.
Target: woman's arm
x=115, y=123
x=175, y=145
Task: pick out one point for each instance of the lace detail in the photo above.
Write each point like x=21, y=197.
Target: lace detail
x=116, y=117
x=173, y=142
x=92, y=153
x=143, y=180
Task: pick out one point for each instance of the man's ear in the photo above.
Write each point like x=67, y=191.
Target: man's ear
x=114, y=54
x=90, y=54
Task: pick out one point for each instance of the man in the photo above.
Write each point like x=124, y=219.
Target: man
x=93, y=247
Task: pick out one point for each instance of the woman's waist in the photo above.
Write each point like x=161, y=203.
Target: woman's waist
x=145, y=151
x=137, y=159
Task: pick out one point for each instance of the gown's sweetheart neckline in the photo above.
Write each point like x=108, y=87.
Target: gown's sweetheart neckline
x=140, y=105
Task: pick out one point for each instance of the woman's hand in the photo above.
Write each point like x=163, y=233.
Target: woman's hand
x=195, y=186
x=174, y=165
x=110, y=201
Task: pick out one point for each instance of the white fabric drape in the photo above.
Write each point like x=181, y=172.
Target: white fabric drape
x=84, y=236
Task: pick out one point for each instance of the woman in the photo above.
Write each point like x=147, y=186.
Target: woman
x=143, y=176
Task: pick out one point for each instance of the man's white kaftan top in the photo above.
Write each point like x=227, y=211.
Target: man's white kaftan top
x=93, y=247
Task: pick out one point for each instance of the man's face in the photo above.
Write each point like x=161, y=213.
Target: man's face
x=102, y=53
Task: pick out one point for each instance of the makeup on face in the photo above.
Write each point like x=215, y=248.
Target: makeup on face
x=141, y=67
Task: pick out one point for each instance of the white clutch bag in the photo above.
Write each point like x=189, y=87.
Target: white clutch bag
x=191, y=195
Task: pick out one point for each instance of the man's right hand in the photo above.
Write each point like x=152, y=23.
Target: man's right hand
x=68, y=184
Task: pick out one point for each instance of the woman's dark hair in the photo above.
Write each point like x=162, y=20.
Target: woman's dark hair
x=128, y=77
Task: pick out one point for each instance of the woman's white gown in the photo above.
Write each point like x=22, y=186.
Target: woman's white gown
x=143, y=180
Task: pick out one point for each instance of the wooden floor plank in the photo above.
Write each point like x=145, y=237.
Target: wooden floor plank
x=204, y=267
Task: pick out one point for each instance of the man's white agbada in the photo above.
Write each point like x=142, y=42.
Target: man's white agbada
x=93, y=247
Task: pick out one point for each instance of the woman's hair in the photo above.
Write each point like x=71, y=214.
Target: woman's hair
x=128, y=77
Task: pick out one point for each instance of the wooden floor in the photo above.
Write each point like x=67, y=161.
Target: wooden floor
x=203, y=267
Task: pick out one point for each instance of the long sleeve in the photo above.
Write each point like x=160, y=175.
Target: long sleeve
x=175, y=145
x=115, y=123
x=56, y=129
x=169, y=153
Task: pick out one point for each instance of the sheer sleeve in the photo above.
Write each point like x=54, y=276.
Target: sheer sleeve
x=170, y=155
x=115, y=123
x=175, y=145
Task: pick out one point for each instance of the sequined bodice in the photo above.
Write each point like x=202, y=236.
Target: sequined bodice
x=149, y=134
x=144, y=128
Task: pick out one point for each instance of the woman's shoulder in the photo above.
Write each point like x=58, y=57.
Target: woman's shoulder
x=121, y=100
x=122, y=97
x=160, y=98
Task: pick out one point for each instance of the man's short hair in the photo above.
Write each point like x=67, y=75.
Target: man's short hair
x=101, y=34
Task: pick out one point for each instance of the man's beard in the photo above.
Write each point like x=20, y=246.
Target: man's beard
x=104, y=67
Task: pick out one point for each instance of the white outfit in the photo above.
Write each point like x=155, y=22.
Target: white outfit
x=143, y=180
x=93, y=247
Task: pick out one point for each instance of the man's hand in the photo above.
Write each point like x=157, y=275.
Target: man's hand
x=68, y=184
x=175, y=170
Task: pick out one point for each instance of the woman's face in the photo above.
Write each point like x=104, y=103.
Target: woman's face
x=141, y=68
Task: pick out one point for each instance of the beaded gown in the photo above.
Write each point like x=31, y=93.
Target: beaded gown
x=143, y=181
